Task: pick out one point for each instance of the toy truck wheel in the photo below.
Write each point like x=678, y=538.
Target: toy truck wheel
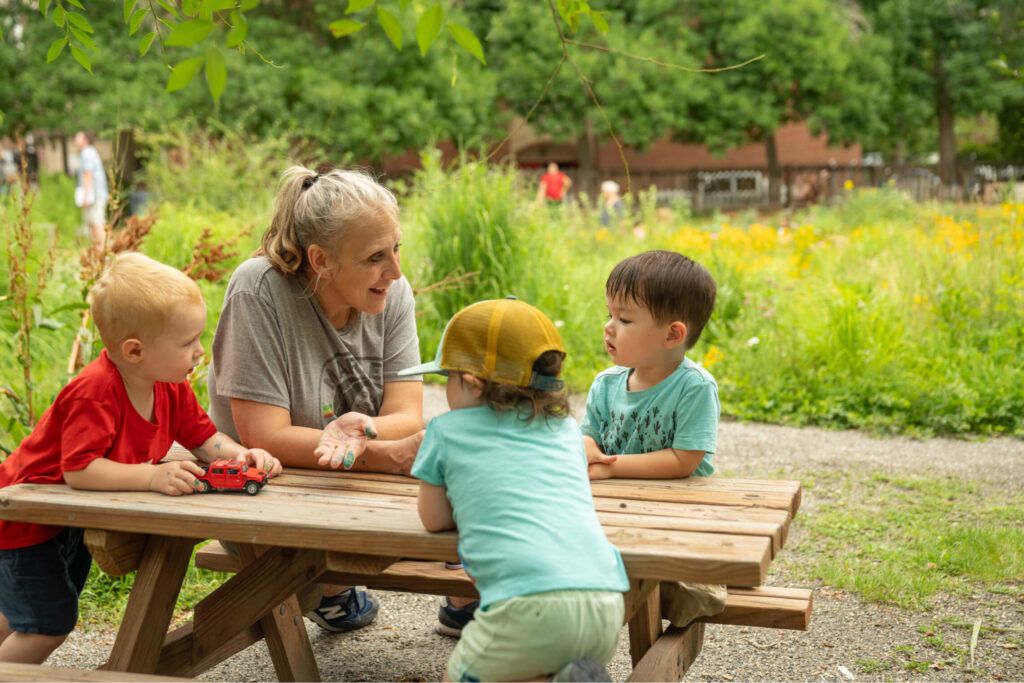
x=252, y=488
x=204, y=486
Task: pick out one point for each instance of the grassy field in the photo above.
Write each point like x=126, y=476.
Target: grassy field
x=876, y=313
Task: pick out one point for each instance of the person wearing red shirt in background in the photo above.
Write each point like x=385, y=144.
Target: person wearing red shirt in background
x=553, y=185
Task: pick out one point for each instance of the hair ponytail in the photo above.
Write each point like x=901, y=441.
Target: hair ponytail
x=281, y=244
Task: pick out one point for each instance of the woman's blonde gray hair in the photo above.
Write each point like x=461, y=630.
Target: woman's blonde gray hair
x=313, y=208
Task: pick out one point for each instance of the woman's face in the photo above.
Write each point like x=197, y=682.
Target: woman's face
x=361, y=271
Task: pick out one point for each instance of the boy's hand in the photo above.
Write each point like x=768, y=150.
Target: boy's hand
x=600, y=471
x=175, y=478
x=344, y=440
x=257, y=457
x=594, y=453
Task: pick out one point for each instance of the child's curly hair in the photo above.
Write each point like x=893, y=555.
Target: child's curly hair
x=527, y=401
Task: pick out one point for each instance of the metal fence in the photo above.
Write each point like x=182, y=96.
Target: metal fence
x=732, y=189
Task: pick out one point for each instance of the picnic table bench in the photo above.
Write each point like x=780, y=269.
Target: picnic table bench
x=307, y=527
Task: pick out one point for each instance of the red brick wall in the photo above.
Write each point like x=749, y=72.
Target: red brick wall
x=794, y=143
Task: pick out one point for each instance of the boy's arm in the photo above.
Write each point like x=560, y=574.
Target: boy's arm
x=594, y=452
x=668, y=463
x=170, y=478
x=220, y=445
x=435, y=510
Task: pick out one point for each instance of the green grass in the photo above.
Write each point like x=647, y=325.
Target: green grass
x=105, y=597
x=902, y=540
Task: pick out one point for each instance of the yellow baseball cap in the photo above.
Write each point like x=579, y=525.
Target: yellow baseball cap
x=498, y=340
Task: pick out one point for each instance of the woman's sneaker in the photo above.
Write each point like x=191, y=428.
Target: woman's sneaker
x=451, y=619
x=346, y=611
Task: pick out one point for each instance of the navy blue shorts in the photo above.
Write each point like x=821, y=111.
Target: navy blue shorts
x=40, y=584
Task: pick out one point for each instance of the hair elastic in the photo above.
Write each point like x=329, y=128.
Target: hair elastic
x=309, y=182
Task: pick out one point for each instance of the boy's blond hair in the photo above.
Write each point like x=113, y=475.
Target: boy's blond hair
x=135, y=296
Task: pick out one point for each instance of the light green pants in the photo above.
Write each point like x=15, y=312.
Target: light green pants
x=535, y=635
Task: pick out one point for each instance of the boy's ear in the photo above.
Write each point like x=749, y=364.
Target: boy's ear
x=474, y=383
x=675, y=335
x=131, y=350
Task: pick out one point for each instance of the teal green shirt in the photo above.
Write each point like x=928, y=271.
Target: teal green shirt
x=679, y=412
x=522, y=503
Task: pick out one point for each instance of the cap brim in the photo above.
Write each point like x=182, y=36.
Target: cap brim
x=433, y=367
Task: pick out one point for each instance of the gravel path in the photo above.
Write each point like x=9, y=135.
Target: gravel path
x=848, y=639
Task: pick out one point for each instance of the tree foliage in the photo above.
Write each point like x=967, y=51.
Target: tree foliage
x=375, y=77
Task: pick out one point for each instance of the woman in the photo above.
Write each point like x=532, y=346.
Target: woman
x=311, y=336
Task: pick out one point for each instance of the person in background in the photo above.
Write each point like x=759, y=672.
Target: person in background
x=91, y=194
x=612, y=206
x=553, y=186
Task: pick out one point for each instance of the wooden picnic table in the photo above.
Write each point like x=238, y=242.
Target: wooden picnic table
x=307, y=526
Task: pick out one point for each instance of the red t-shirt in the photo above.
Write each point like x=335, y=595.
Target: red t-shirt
x=553, y=185
x=93, y=418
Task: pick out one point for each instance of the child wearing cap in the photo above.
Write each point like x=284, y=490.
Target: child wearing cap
x=506, y=467
x=108, y=430
x=654, y=415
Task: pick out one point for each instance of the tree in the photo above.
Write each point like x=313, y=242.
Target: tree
x=393, y=101
x=821, y=66
x=942, y=54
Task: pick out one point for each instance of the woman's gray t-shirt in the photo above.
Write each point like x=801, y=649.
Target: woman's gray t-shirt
x=274, y=345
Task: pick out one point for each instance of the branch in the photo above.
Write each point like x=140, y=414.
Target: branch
x=667, y=65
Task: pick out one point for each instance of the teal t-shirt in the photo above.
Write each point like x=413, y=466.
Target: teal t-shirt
x=522, y=503
x=679, y=412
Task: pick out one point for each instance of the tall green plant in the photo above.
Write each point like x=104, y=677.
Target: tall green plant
x=467, y=222
x=28, y=272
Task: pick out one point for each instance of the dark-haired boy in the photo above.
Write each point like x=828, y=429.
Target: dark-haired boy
x=655, y=414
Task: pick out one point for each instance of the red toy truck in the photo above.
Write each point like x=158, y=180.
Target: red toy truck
x=231, y=475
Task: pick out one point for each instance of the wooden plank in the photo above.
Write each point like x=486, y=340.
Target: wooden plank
x=774, y=531
x=766, y=609
x=176, y=656
x=330, y=521
x=116, y=553
x=671, y=655
x=775, y=493
x=261, y=586
x=712, y=492
x=10, y=671
x=150, y=605
x=691, y=556
x=645, y=624
x=355, y=563
x=285, y=633
x=636, y=597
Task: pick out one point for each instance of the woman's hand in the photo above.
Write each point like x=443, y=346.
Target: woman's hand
x=344, y=440
x=176, y=478
x=257, y=457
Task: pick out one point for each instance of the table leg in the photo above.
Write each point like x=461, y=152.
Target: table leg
x=285, y=632
x=670, y=655
x=150, y=605
x=258, y=593
x=645, y=624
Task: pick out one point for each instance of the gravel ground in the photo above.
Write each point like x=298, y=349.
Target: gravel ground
x=848, y=639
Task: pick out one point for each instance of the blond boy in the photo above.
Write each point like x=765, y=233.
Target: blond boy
x=107, y=430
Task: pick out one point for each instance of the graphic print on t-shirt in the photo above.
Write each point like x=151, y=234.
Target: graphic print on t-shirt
x=653, y=430
x=345, y=385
